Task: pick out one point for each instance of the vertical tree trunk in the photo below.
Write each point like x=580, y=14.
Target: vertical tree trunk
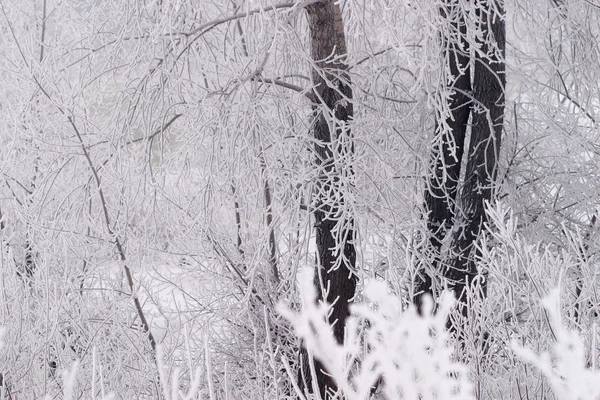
x=489, y=81
x=483, y=99
x=333, y=110
x=448, y=143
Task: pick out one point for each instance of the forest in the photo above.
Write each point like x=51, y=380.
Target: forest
x=303, y=199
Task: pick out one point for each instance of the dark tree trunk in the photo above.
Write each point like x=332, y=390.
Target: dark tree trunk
x=448, y=143
x=483, y=99
x=333, y=110
x=489, y=83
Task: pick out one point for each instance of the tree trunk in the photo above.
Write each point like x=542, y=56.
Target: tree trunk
x=489, y=81
x=448, y=143
x=333, y=110
x=483, y=99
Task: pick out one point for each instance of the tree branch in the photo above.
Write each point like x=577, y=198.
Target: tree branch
x=305, y=92
x=216, y=22
x=118, y=244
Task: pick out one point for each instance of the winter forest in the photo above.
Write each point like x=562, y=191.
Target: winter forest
x=304, y=199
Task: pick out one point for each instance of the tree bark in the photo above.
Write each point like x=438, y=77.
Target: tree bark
x=483, y=99
x=448, y=143
x=489, y=82
x=333, y=110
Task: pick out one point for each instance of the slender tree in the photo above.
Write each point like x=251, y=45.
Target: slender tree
x=333, y=111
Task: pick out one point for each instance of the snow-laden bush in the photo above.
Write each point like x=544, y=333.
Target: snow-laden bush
x=565, y=367
x=410, y=355
x=521, y=273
